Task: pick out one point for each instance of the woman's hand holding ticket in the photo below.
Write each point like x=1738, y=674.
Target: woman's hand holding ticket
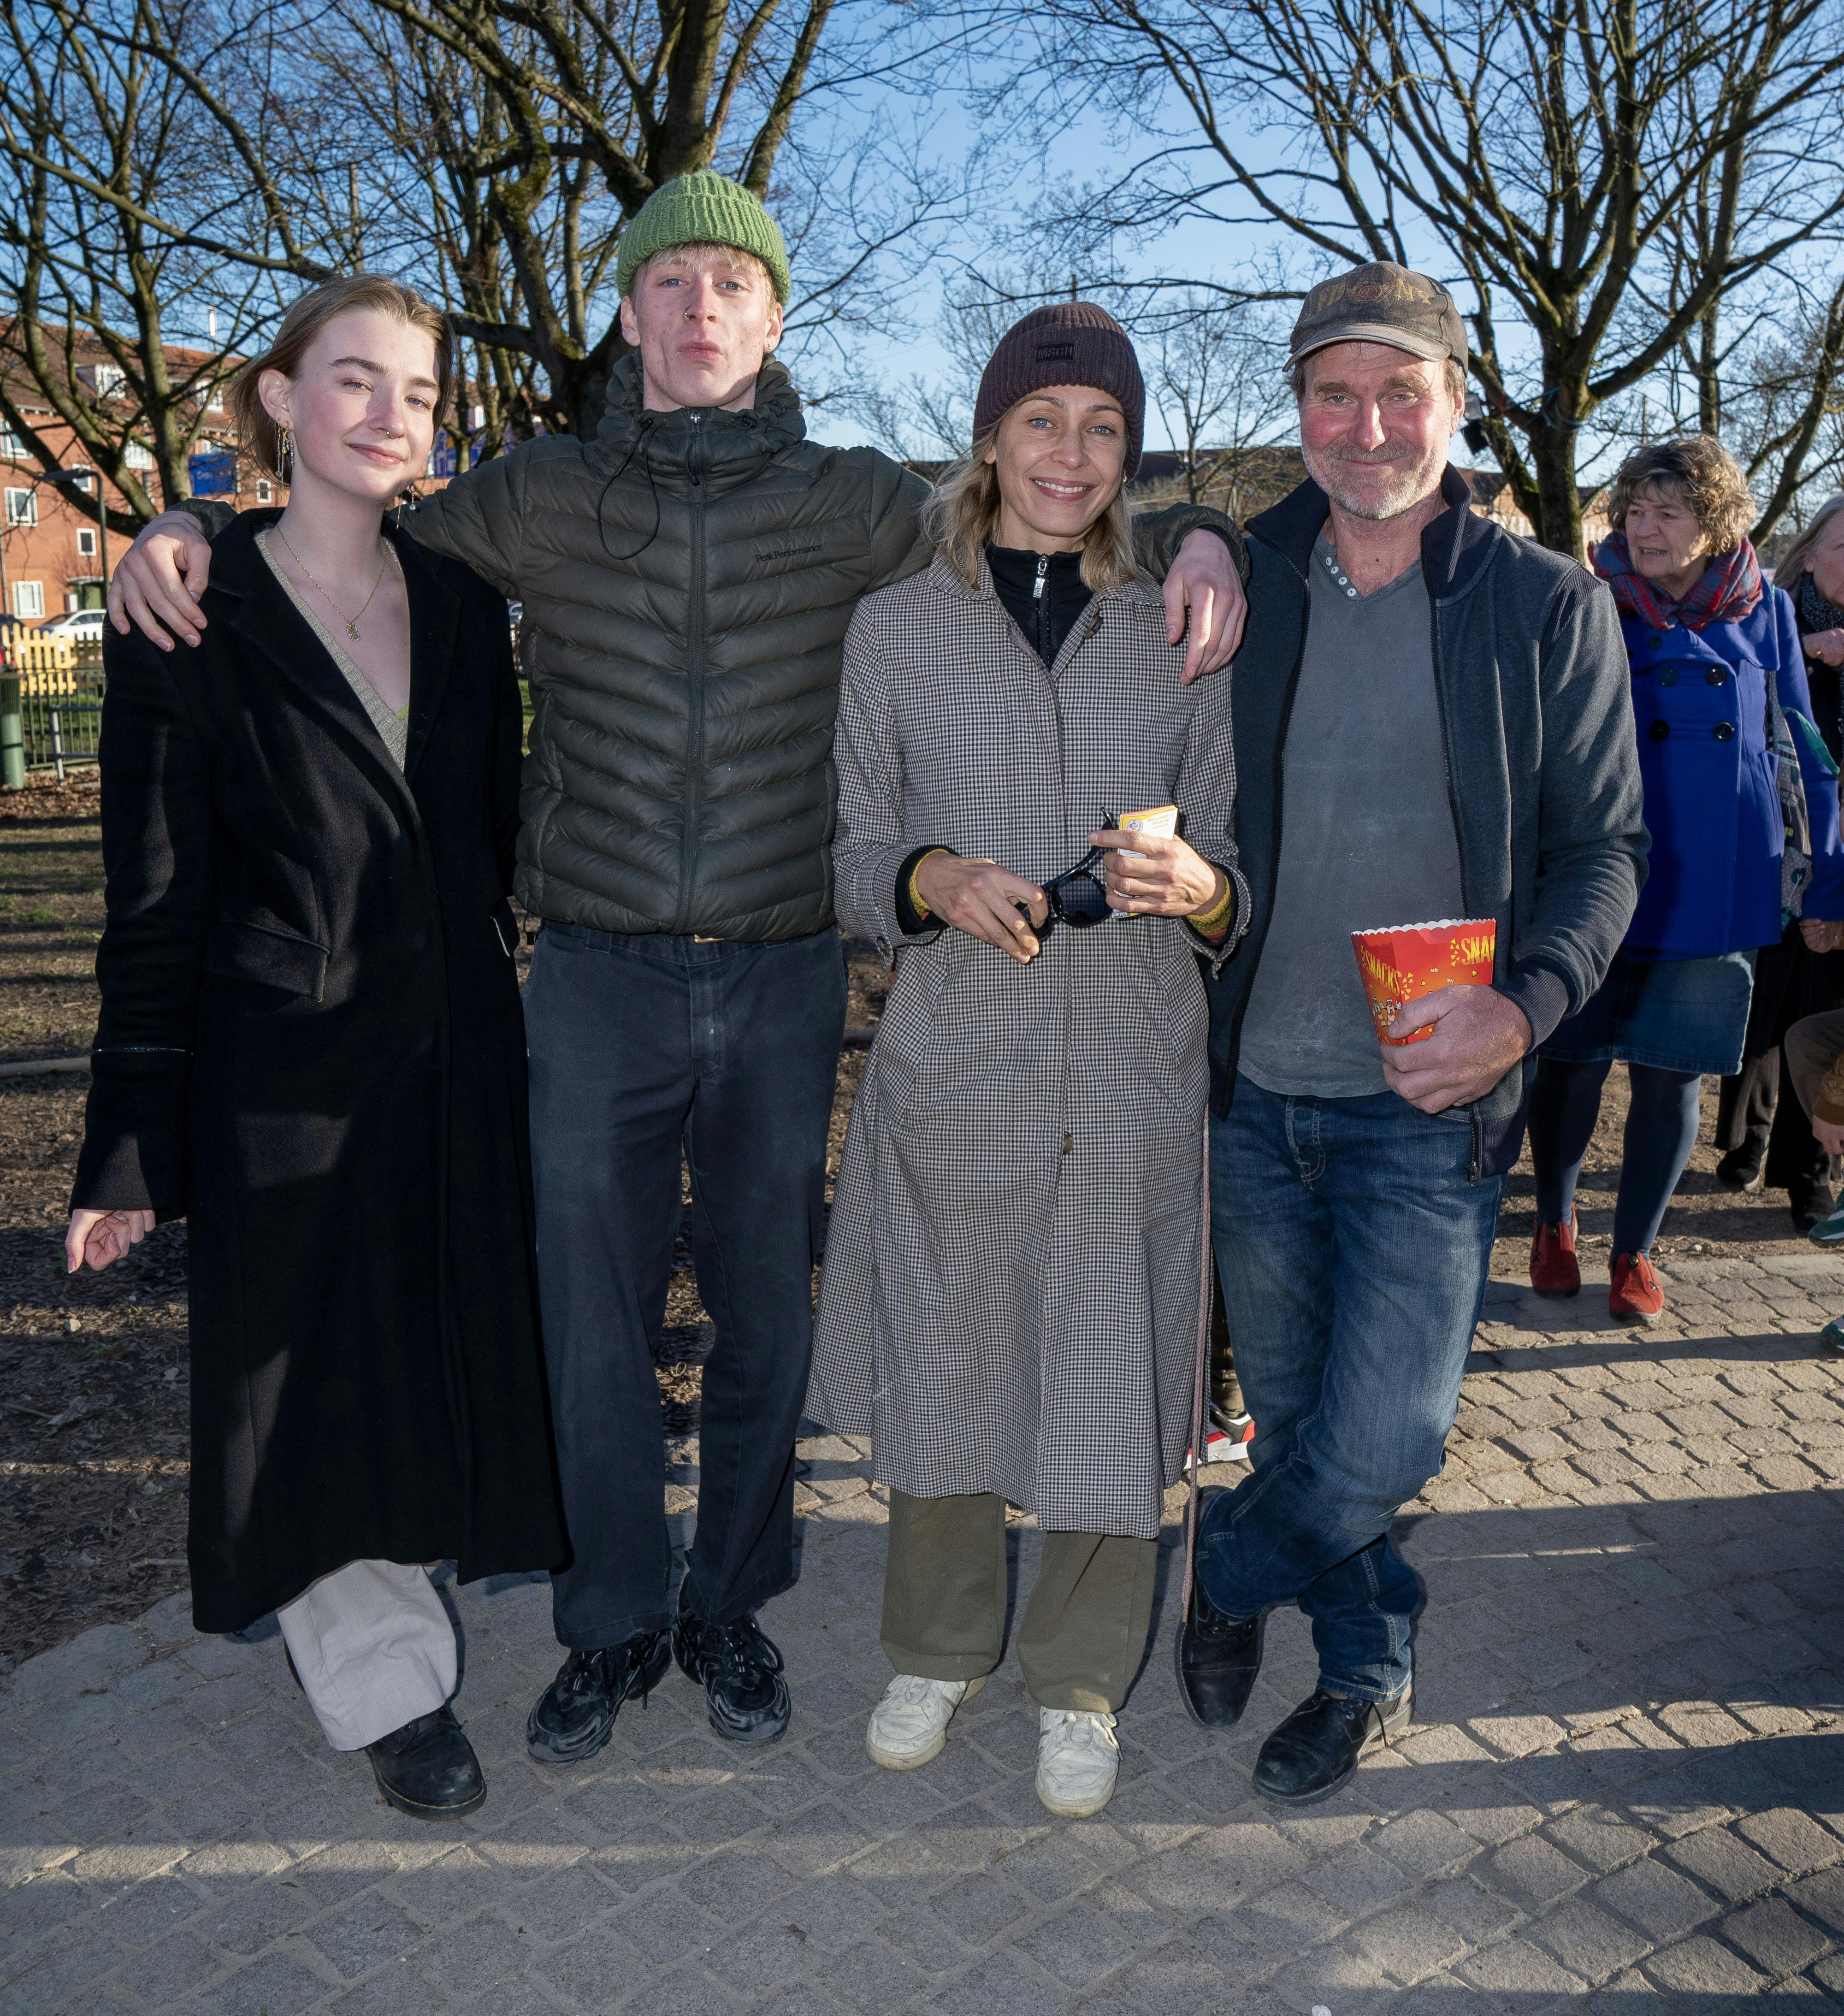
x=1149, y=876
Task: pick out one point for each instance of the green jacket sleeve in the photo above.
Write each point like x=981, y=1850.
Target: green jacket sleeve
x=478, y=520
x=898, y=547
x=1158, y=535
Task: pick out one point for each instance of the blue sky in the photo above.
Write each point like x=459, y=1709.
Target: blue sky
x=892, y=361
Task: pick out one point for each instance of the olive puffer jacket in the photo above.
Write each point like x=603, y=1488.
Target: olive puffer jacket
x=686, y=578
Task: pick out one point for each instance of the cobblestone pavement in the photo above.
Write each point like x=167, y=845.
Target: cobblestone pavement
x=1627, y=1780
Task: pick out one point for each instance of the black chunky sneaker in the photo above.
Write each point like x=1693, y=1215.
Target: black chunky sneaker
x=1218, y=1657
x=740, y=1672
x=574, y=1716
x=427, y=1769
x=1321, y=1744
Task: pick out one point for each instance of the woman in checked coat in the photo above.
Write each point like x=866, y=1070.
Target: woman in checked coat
x=1011, y=1294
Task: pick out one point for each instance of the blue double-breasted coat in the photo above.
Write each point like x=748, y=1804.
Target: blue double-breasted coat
x=1712, y=799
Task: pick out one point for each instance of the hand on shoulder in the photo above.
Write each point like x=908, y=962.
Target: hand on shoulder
x=159, y=580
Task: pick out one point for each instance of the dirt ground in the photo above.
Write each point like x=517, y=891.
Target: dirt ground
x=93, y=1370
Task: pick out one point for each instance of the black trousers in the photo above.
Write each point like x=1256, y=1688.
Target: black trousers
x=642, y=1050
x=1790, y=983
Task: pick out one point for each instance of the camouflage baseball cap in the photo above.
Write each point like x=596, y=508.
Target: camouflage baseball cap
x=1380, y=303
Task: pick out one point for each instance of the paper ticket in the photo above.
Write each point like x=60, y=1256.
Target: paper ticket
x=1160, y=823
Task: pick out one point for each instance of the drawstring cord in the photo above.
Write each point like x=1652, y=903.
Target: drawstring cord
x=640, y=447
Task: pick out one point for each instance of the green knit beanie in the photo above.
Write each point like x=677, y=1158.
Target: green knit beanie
x=702, y=208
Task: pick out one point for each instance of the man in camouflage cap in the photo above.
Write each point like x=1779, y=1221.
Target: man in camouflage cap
x=1447, y=706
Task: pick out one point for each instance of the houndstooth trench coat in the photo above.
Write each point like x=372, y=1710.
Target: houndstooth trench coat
x=1010, y=1301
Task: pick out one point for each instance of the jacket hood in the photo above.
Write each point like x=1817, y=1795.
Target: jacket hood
x=724, y=447
x=1453, y=548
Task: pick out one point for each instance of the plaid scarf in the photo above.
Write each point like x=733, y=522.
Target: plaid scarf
x=1728, y=589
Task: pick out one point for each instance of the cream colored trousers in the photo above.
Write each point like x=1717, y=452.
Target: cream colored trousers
x=374, y=1649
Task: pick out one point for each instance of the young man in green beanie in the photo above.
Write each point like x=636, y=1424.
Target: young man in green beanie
x=686, y=578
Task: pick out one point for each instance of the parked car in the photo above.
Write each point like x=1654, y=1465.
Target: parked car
x=81, y=626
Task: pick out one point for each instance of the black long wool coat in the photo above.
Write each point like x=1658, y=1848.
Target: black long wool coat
x=310, y=1044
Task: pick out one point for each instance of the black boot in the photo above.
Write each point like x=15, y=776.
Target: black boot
x=1744, y=1168
x=740, y=1672
x=427, y=1769
x=1811, y=1201
x=574, y=1716
x=1320, y=1744
x=1218, y=1657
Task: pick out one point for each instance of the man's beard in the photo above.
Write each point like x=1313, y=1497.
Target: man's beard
x=1410, y=482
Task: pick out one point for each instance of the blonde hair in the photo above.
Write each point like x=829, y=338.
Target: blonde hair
x=1705, y=477
x=258, y=437
x=959, y=518
x=1792, y=562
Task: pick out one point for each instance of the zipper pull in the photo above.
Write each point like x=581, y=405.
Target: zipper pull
x=1043, y=568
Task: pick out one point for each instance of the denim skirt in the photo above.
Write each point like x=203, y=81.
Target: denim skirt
x=1674, y=1014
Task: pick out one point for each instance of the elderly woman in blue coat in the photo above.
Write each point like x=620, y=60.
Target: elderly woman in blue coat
x=1742, y=808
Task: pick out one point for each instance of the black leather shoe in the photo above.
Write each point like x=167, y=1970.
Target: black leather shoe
x=740, y=1672
x=427, y=1769
x=1743, y=1168
x=574, y=1716
x=1810, y=1202
x=1321, y=1744
x=1218, y=1658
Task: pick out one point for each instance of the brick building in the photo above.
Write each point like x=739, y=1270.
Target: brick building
x=54, y=554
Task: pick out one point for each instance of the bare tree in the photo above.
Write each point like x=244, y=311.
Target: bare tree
x=1542, y=152
x=1763, y=369
x=539, y=130
x=1217, y=372
x=493, y=150
x=111, y=314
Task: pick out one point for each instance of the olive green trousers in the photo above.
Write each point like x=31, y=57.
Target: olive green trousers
x=1084, y=1630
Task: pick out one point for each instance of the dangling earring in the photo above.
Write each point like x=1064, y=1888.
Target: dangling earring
x=284, y=453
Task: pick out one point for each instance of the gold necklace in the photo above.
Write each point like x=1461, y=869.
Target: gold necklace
x=351, y=622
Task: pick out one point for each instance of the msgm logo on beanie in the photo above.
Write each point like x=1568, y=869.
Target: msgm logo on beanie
x=1054, y=353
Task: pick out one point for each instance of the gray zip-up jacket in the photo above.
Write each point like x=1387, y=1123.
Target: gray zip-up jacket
x=1542, y=769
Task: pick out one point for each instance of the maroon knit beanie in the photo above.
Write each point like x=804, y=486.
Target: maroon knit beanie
x=1069, y=343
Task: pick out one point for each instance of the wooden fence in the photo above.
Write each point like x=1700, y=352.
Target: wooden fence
x=60, y=697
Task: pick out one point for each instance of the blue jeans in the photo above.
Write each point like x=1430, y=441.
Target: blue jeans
x=1353, y=1250
x=642, y=1049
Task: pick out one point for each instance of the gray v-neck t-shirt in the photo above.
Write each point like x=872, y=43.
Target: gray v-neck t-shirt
x=1367, y=832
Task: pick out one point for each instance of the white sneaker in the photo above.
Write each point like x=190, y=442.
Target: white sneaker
x=1078, y=1757
x=909, y=1725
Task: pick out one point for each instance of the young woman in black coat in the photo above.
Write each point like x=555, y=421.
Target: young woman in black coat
x=310, y=1046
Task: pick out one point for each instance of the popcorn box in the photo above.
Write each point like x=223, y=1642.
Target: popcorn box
x=1401, y=962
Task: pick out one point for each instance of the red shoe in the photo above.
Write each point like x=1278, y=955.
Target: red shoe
x=1554, y=1271
x=1635, y=1296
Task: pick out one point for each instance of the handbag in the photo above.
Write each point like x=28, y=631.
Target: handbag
x=1796, y=860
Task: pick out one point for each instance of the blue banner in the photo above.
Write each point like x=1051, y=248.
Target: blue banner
x=214, y=473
